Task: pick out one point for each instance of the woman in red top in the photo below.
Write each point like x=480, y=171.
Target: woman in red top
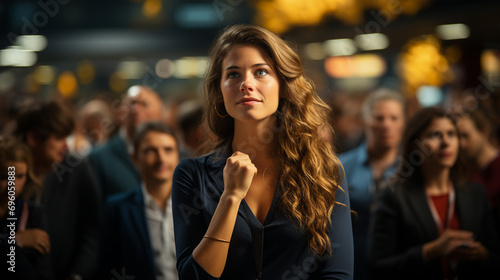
x=430, y=224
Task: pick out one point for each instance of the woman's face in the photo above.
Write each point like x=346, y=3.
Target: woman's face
x=249, y=84
x=440, y=143
x=20, y=178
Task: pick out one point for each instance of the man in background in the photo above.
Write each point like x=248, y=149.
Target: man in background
x=114, y=171
x=369, y=166
x=69, y=193
x=138, y=231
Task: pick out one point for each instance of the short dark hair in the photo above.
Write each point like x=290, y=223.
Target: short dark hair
x=156, y=126
x=44, y=119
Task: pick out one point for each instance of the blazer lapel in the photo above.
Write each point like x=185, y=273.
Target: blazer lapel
x=463, y=208
x=138, y=219
x=417, y=201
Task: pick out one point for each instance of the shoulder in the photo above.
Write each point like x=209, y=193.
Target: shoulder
x=102, y=149
x=118, y=199
x=397, y=192
x=203, y=164
x=354, y=155
x=471, y=188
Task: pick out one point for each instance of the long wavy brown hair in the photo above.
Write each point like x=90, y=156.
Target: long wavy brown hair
x=309, y=173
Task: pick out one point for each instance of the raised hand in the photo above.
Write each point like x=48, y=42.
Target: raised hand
x=238, y=175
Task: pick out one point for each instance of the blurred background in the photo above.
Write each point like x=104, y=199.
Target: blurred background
x=431, y=51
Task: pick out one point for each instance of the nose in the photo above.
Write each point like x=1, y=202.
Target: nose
x=247, y=84
x=445, y=140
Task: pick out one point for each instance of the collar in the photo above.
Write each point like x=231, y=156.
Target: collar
x=128, y=142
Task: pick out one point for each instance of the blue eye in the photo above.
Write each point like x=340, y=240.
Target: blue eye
x=261, y=72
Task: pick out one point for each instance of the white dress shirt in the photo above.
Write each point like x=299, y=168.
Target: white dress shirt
x=161, y=232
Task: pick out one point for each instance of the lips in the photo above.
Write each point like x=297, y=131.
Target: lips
x=446, y=155
x=248, y=101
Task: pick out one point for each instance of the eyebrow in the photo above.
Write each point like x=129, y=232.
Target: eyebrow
x=255, y=65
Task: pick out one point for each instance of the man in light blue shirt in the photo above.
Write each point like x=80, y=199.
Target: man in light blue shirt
x=369, y=166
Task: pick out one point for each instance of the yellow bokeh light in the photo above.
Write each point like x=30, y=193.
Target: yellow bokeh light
x=117, y=82
x=85, y=72
x=422, y=64
x=280, y=15
x=151, y=8
x=67, y=84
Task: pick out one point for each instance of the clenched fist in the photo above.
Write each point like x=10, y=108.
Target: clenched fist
x=238, y=175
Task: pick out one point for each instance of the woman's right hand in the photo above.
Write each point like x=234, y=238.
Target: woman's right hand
x=34, y=238
x=448, y=242
x=238, y=175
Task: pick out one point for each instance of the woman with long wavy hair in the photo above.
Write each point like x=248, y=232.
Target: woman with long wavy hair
x=270, y=201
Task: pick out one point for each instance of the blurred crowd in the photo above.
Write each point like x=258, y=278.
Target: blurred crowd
x=93, y=182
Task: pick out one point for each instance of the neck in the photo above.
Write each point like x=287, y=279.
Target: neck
x=159, y=190
x=41, y=170
x=488, y=154
x=255, y=139
x=383, y=154
x=437, y=180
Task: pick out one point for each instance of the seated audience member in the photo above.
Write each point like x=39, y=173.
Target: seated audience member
x=138, y=232
x=69, y=194
x=17, y=180
x=431, y=224
x=482, y=156
x=369, y=166
x=113, y=169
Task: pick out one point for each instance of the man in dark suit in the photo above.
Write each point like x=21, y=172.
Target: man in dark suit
x=69, y=193
x=113, y=169
x=138, y=233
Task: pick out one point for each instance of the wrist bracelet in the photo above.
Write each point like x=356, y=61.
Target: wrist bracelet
x=215, y=239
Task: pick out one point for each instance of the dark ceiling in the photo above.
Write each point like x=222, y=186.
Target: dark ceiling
x=112, y=30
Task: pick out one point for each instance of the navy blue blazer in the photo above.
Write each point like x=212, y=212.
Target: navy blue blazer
x=126, y=245
x=113, y=168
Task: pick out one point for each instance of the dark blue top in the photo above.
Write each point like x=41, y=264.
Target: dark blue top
x=197, y=187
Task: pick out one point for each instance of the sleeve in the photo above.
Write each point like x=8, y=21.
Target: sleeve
x=189, y=222
x=109, y=246
x=387, y=261
x=39, y=262
x=340, y=265
x=89, y=221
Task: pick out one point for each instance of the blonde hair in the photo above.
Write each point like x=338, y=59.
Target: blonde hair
x=310, y=172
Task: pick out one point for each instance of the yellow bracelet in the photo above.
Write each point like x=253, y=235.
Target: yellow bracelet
x=216, y=239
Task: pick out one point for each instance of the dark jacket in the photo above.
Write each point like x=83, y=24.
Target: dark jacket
x=403, y=223
x=113, y=168
x=73, y=212
x=125, y=240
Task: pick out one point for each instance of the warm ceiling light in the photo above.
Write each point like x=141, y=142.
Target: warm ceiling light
x=453, y=31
